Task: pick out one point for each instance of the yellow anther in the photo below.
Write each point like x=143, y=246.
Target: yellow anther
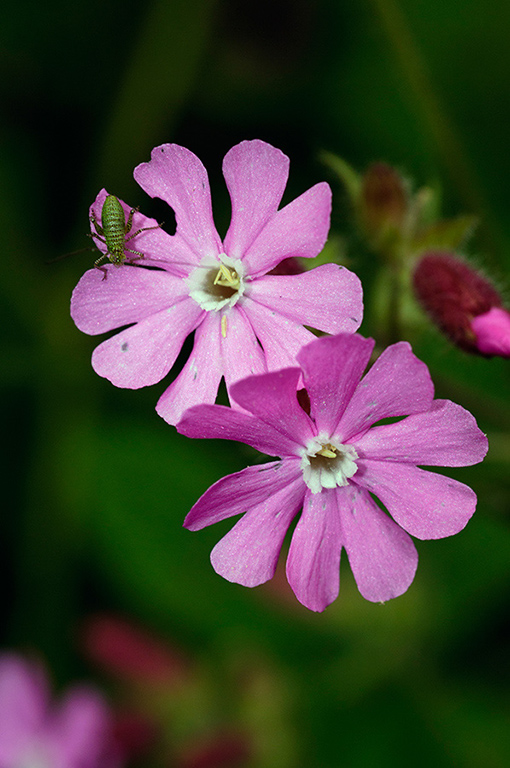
x=328, y=451
x=227, y=277
x=224, y=326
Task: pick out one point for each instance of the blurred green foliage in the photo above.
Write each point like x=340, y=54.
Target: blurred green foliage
x=96, y=486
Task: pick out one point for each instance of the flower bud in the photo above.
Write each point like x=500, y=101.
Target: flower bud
x=221, y=750
x=134, y=734
x=463, y=304
x=383, y=202
x=131, y=652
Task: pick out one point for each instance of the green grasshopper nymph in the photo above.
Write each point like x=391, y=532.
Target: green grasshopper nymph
x=112, y=233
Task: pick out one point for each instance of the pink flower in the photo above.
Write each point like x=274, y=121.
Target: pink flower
x=33, y=732
x=245, y=321
x=492, y=332
x=332, y=460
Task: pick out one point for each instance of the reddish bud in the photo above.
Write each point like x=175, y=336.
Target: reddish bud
x=383, y=200
x=463, y=304
x=130, y=652
x=134, y=735
x=227, y=750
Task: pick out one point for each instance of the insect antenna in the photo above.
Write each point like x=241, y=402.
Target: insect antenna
x=71, y=253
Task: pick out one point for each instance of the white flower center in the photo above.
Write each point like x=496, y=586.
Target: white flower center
x=327, y=464
x=216, y=284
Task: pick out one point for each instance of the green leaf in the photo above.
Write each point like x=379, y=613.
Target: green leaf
x=350, y=178
x=448, y=234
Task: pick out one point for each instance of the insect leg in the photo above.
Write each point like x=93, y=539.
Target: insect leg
x=129, y=222
x=103, y=269
x=143, y=229
x=97, y=226
x=136, y=257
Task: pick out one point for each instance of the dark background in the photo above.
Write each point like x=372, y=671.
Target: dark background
x=96, y=485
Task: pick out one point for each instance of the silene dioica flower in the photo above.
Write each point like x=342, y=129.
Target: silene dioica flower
x=333, y=457
x=245, y=320
x=36, y=733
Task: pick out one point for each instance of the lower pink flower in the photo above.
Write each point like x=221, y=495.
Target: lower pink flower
x=333, y=459
x=34, y=732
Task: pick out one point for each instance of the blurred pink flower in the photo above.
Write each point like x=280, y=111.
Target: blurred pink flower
x=76, y=733
x=246, y=321
x=332, y=460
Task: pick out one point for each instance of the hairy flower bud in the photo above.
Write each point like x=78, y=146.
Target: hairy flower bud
x=463, y=304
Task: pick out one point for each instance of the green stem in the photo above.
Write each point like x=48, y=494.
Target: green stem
x=445, y=140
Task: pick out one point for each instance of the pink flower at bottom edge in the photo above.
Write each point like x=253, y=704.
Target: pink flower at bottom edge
x=73, y=734
x=332, y=459
x=245, y=320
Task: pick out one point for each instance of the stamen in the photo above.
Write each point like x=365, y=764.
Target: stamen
x=224, y=326
x=227, y=277
x=328, y=451
x=328, y=464
x=217, y=283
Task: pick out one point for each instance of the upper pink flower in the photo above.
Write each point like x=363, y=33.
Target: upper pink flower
x=33, y=732
x=245, y=321
x=332, y=460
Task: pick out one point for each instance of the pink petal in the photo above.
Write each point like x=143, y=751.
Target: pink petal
x=492, y=331
x=169, y=252
x=313, y=564
x=328, y=298
x=240, y=351
x=129, y=294
x=81, y=731
x=177, y=176
x=256, y=174
x=248, y=554
x=425, y=504
x=332, y=368
x=299, y=229
x=200, y=378
x=382, y=556
x=444, y=436
x=242, y=491
x=218, y=421
x=158, y=247
x=144, y=353
x=272, y=398
x=280, y=337
x=24, y=700
x=397, y=384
